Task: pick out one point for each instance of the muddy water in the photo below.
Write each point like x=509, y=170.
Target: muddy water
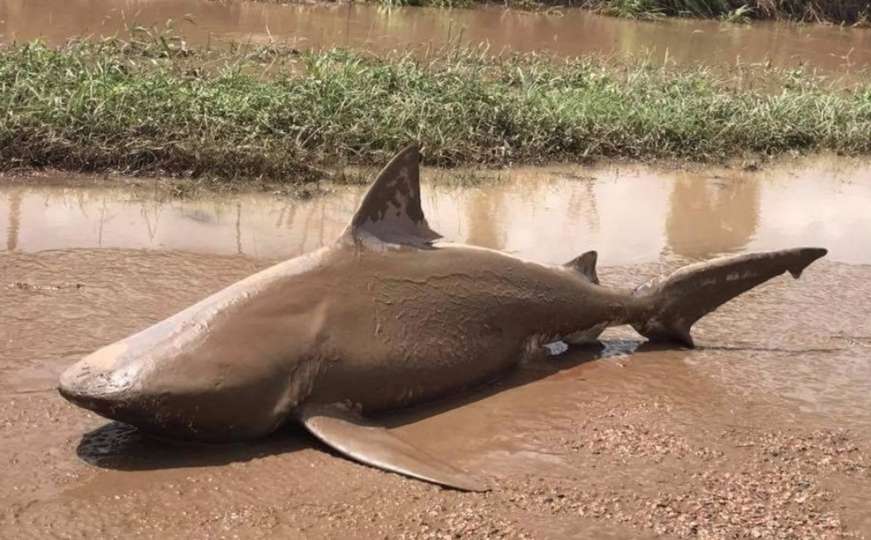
x=631, y=214
x=766, y=425
x=571, y=32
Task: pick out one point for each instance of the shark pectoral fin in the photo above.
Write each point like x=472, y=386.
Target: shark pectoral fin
x=348, y=433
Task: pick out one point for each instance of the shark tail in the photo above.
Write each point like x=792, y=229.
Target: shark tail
x=675, y=302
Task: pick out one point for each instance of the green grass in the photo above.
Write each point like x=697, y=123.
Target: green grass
x=154, y=107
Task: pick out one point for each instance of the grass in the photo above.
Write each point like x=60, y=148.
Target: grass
x=155, y=107
x=632, y=9
x=739, y=15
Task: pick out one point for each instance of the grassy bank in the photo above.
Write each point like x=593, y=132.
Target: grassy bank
x=153, y=107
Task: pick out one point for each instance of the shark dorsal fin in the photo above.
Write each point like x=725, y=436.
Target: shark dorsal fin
x=585, y=263
x=391, y=210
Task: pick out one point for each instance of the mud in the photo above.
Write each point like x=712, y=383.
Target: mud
x=764, y=430
x=829, y=49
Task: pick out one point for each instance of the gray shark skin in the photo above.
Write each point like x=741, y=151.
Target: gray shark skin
x=383, y=318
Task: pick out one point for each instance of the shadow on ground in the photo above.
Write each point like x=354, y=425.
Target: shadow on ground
x=123, y=447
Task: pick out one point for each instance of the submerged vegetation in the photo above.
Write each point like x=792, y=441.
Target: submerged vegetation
x=837, y=11
x=153, y=106
x=834, y=11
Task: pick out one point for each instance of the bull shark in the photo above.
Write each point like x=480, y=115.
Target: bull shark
x=385, y=317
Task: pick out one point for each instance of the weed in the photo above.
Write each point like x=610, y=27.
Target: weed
x=155, y=106
x=739, y=15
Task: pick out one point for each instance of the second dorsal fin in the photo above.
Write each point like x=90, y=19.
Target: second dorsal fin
x=585, y=263
x=391, y=210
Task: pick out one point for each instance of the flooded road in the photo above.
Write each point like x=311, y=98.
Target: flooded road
x=829, y=49
x=765, y=427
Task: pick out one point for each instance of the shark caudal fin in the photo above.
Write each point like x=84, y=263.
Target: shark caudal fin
x=679, y=300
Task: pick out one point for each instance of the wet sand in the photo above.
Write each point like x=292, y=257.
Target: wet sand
x=841, y=52
x=762, y=431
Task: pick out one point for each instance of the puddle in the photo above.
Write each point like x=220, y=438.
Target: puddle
x=630, y=214
x=831, y=49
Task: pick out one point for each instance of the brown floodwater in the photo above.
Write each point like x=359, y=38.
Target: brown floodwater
x=830, y=49
x=765, y=426
x=632, y=214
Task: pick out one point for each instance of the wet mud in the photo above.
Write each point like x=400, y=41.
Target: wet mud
x=842, y=52
x=764, y=430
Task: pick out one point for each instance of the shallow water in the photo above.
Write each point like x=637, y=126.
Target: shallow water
x=631, y=214
x=751, y=418
x=830, y=49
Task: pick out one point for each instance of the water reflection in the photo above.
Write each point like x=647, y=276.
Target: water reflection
x=828, y=48
x=631, y=214
x=483, y=230
x=715, y=215
x=14, y=210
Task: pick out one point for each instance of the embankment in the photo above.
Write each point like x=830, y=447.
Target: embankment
x=156, y=107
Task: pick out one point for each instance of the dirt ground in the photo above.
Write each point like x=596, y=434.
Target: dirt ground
x=763, y=431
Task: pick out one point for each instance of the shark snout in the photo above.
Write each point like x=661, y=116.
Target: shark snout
x=98, y=382
x=178, y=394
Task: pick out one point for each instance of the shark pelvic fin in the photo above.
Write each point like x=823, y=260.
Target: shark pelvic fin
x=351, y=435
x=391, y=210
x=585, y=263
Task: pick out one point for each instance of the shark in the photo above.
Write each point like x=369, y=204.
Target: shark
x=387, y=316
